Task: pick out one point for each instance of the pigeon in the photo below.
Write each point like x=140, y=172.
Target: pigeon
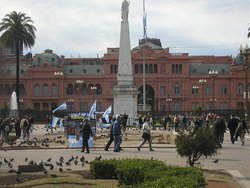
x=26, y=159
x=60, y=169
x=1, y=163
x=98, y=158
x=18, y=172
x=216, y=161
x=61, y=159
x=82, y=159
x=18, y=179
x=45, y=172
x=75, y=162
x=49, y=160
x=5, y=160
x=68, y=163
x=11, y=171
x=51, y=167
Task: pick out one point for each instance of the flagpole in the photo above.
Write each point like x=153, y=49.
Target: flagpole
x=143, y=57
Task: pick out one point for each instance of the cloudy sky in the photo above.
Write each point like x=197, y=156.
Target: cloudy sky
x=85, y=28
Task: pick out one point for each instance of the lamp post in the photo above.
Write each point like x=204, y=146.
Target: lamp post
x=79, y=84
x=195, y=91
x=169, y=100
x=71, y=104
x=202, y=83
x=93, y=89
x=58, y=75
x=244, y=53
x=21, y=101
x=213, y=74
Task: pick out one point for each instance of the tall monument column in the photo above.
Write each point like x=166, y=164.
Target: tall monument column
x=125, y=92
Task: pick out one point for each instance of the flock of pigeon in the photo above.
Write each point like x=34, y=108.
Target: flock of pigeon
x=48, y=165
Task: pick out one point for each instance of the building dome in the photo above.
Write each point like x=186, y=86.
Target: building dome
x=238, y=60
x=48, y=57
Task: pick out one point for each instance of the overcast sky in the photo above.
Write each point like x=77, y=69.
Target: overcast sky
x=85, y=28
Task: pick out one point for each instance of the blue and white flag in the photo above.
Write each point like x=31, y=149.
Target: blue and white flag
x=92, y=111
x=106, y=113
x=63, y=106
x=144, y=21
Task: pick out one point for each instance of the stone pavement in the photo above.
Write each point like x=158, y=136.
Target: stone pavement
x=233, y=159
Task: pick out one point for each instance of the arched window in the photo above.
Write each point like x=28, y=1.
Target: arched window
x=223, y=105
x=240, y=89
x=22, y=89
x=136, y=68
x=177, y=89
x=98, y=89
x=224, y=90
x=54, y=90
x=37, y=90
x=1, y=89
x=70, y=89
x=156, y=69
x=150, y=69
x=177, y=106
x=85, y=89
x=141, y=69
x=45, y=90
x=208, y=90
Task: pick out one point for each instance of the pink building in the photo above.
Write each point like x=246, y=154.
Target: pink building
x=174, y=82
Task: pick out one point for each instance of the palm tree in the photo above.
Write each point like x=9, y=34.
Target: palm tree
x=248, y=35
x=18, y=31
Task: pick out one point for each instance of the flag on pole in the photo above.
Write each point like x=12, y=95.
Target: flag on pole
x=63, y=106
x=144, y=21
x=106, y=113
x=92, y=111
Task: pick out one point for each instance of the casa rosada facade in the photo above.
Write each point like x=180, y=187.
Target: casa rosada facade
x=173, y=81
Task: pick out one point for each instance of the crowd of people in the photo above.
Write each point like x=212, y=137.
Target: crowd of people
x=21, y=126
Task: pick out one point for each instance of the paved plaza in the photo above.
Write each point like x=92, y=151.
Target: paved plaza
x=233, y=158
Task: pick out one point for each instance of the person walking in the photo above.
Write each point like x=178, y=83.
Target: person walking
x=86, y=133
x=146, y=135
x=111, y=135
x=243, y=129
x=232, y=126
x=117, y=134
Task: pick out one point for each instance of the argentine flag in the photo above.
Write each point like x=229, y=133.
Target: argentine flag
x=92, y=111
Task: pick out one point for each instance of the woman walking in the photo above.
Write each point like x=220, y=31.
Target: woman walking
x=146, y=135
x=243, y=129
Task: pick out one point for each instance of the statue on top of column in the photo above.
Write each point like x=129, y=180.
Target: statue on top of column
x=125, y=9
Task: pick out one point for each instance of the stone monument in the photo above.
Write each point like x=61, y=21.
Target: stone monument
x=125, y=92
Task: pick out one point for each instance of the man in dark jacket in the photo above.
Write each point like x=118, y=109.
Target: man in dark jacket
x=86, y=133
x=117, y=134
x=232, y=126
x=111, y=136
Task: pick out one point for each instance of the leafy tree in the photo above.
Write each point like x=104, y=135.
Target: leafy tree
x=196, y=143
x=18, y=31
x=248, y=35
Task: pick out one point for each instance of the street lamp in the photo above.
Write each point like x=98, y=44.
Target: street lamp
x=93, y=88
x=202, y=82
x=79, y=84
x=21, y=101
x=169, y=100
x=244, y=53
x=213, y=74
x=58, y=75
x=195, y=91
x=71, y=103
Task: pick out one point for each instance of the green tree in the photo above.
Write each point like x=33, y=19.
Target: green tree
x=18, y=31
x=196, y=143
x=248, y=34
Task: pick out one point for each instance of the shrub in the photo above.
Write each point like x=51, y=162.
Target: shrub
x=196, y=143
x=104, y=169
x=10, y=140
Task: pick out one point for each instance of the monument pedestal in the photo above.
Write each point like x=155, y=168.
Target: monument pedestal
x=125, y=100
